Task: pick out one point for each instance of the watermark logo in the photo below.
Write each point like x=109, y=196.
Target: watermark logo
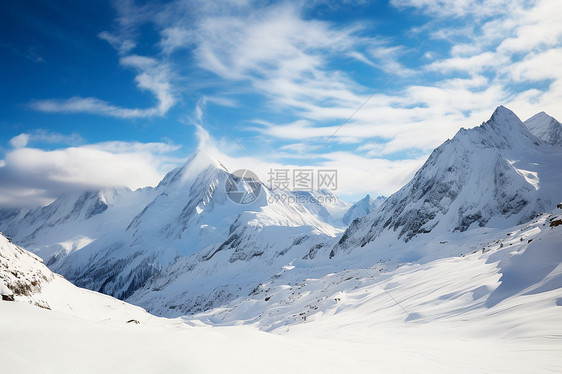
x=284, y=197
x=243, y=187
x=290, y=186
x=302, y=179
x=287, y=185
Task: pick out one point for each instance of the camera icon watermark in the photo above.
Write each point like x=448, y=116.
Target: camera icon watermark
x=243, y=187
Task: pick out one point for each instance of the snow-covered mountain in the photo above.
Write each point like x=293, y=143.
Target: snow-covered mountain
x=466, y=258
x=73, y=221
x=545, y=127
x=185, y=233
x=495, y=175
x=184, y=246
x=361, y=208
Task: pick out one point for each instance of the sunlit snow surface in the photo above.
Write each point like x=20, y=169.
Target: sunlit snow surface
x=495, y=309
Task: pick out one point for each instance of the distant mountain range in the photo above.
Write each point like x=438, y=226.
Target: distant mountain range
x=184, y=246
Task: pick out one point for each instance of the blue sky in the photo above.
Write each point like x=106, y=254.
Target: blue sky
x=103, y=93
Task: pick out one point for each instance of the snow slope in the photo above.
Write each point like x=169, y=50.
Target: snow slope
x=498, y=304
x=22, y=274
x=492, y=267
x=54, y=327
x=496, y=175
x=489, y=310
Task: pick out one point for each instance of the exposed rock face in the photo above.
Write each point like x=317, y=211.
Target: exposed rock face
x=21, y=273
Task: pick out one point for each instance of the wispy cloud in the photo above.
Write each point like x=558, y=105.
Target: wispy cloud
x=486, y=53
x=460, y=8
x=289, y=60
x=44, y=136
x=151, y=76
x=483, y=68
x=277, y=51
x=123, y=46
x=516, y=43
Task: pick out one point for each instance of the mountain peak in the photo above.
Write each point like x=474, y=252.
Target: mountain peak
x=503, y=130
x=502, y=116
x=197, y=162
x=545, y=127
x=361, y=208
x=541, y=114
x=485, y=175
x=201, y=157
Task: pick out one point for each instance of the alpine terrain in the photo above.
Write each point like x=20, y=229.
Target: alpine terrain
x=460, y=268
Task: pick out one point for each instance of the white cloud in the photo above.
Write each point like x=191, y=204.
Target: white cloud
x=41, y=175
x=123, y=46
x=155, y=151
x=272, y=40
x=223, y=101
x=286, y=58
x=492, y=49
x=152, y=75
x=44, y=136
x=19, y=141
x=11, y=197
x=277, y=51
x=129, y=17
x=519, y=44
x=460, y=8
x=538, y=66
x=536, y=27
x=430, y=115
x=174, y=38
x=472, y=64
